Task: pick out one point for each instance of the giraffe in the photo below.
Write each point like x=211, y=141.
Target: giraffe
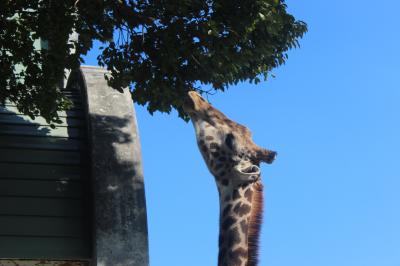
x=233, y=159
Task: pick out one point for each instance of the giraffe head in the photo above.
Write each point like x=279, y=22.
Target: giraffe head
x=233, y=159
x=227, y=147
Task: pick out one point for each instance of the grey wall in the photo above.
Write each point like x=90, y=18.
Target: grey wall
x=120, y=222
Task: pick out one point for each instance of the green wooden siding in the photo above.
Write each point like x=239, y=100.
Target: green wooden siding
x=44, y=185
x=19, y=262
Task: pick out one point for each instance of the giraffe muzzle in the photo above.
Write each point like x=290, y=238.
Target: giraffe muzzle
x=272, y=156
x=266, y=156
x=188, y=104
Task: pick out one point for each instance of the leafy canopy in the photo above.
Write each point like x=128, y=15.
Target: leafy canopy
x=159, y=48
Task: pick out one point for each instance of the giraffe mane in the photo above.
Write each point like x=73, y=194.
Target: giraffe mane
x=255, y=224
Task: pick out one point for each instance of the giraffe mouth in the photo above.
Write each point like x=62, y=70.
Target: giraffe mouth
x=249, y=173
x=193, y=102
x=253, y=169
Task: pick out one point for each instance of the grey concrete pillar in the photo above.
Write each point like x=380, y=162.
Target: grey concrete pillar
x=120, y=223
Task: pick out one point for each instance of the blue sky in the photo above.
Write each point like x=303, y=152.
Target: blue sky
x=333, y=114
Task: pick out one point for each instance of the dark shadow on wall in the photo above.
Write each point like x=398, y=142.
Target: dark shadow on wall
x=119, y=196
x=118, y=175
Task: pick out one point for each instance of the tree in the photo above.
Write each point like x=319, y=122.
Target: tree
x=159, y=48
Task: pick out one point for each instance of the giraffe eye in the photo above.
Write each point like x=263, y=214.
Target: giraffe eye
x=229, y=140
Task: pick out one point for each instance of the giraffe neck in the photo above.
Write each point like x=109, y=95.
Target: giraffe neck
x=240, y=222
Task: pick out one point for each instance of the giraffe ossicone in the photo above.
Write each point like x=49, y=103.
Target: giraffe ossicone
x=233, y=159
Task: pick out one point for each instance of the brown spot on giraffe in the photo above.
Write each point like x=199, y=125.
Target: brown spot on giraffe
x=209, y=137
x=241, y=209
x=225, y=182
x=235, y=195
x=228, y=222
x=233, y=158
x=226, y=210
x=218, y=166
x=244, y=226
x=222, y=159
x=233, y=237
x=215, y=154
x=248, y=194
x=227, y=198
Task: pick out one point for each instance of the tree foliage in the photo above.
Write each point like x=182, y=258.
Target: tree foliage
x=159, y=48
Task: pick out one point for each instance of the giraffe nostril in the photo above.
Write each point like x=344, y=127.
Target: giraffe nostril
x=273, y=156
